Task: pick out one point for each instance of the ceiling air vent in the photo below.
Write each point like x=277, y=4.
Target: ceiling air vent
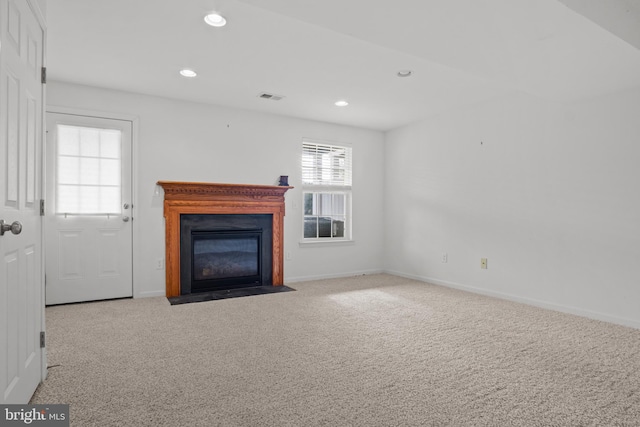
x=270, y=96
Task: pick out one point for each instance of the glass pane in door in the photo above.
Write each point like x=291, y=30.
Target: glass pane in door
x=88, y=166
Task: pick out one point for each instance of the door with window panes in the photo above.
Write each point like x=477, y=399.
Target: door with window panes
x=88, y=214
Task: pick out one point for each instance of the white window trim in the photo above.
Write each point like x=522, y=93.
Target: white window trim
x=348, y=213
x=325, y=242
x=338, y=189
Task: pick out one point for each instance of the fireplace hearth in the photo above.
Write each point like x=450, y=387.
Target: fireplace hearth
x=208, y=209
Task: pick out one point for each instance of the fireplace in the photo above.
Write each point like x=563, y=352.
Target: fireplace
x=220, y=252
x=227, y=219
x=220, y=257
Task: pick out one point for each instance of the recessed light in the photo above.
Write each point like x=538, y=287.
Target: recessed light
x=341, y=103
x=215, y=20
x=404, y=73
x=188, y=73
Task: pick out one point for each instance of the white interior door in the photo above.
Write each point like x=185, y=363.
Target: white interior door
x=21, y=284
x=88, y=210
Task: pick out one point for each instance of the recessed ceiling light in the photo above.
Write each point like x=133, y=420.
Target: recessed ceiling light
x=188, y=73
x=404, y=73
x=215, y=20
x=341, y=103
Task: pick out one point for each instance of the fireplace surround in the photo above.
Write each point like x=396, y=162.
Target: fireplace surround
x=222, y=251
x=198, y=198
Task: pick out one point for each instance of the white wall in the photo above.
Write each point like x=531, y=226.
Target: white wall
x=183, y=141
x=42, y=5
x=551, y=197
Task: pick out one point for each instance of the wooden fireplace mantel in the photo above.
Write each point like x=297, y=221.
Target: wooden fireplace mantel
x=209, y=198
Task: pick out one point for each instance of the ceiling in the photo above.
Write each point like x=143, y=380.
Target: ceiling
x=461, y=52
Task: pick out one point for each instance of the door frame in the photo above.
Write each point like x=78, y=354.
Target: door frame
x=135, y=243
x=40, y=15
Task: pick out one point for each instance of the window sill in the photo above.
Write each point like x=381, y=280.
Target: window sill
x=320, y=243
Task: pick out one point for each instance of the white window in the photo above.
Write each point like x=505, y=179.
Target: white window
x=326, y=188
x=88, y=167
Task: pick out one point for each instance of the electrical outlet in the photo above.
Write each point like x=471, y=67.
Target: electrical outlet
x=445, y=257
x=160, y=263
x=288, y=255
x=483, y=263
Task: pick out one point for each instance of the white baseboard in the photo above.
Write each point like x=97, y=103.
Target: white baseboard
x=289, y=280
x=149, y=294
x=529, y=301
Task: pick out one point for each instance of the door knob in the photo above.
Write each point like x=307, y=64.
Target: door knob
x=125, y=218
x=15, y=227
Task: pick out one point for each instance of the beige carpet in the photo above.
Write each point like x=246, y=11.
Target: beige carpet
x=365, y=351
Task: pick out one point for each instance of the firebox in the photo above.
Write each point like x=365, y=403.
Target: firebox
x=219, y=252
x=225, y=258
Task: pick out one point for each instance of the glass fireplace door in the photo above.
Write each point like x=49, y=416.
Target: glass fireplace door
x=223, y=259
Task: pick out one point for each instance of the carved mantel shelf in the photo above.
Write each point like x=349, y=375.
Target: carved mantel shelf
x=211, y=198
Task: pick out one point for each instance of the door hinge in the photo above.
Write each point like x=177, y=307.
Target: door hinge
x=43, y=75
x=42, y=339
x=41, y=207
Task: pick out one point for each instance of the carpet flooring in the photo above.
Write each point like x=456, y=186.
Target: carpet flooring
x=373, y=350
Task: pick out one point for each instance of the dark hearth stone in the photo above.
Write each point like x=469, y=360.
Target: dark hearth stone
x=230, y=293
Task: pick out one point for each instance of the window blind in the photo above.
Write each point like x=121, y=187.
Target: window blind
x=324, y=164
x=88, y=170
